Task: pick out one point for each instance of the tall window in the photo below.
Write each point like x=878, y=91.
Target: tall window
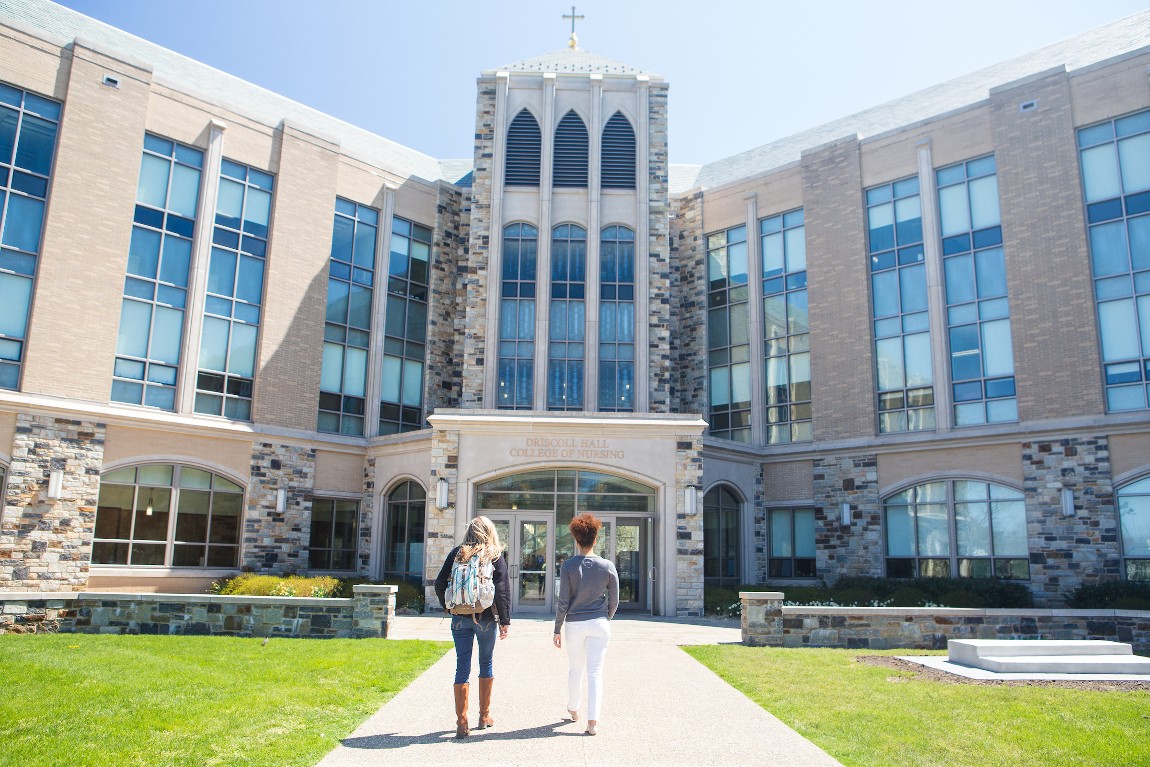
x=721, y=537
x=28, y=125
x=728, y=341
x=334, y=534
x=405, y=328
x=156, y=288
x=899, y=298
x=792, y=544
x=517, y=318
x=956, y=528
x=568, y=320
x=168, y=515
x=1116, y=180
x=406, y=512
x=524, y=142
x=786, y=328
x=617, y=320
x=234, y=299
x=617, y=154
x=570, y=152
x=347, y=326
x=977, y=314
x=1134, y=516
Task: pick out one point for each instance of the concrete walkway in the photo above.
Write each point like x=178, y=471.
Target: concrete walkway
x=660, y=707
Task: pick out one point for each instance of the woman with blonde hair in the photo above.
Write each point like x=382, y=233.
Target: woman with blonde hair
x=588, y=598
x=481, y=540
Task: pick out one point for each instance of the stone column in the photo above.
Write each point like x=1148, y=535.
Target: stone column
x=374, y=610
x=688, y=529
x=46, y=543
x=762, y=619
x=442, y=525
x=857, y=548
x=276, y=540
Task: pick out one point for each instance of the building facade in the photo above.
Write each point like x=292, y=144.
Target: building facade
x=912, y=342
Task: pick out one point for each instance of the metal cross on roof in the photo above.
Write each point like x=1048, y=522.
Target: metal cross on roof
x=574, y=41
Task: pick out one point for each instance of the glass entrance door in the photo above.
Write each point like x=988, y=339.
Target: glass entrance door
x=624, y=541
x=527, y=546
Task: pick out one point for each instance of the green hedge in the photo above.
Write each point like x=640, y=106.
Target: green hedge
x=255, y=585
x=881, y=592
x=1111, y=595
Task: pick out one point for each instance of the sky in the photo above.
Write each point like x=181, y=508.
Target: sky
x=742, y=72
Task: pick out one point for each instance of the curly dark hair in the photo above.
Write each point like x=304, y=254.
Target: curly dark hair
x=585, y=528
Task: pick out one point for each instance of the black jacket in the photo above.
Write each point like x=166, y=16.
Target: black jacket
x=502, y=605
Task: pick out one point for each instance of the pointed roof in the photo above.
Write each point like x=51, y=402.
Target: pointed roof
x=573, y=61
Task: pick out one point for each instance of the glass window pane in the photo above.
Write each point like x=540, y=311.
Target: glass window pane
x=153, y=187
x=781, y=545
x=37, y=141
x=912, y=282
x=891, y=373
x=1134, y=159
x=984, y=202
x=167, y=330
x=185, y=191
x=17, y=292
x=214, y=344
x=23, y=222
x=1108, y=253
x=796, y=249
x=954, y=209
x=1134, y=512
x=412, y=383
x=991, y=269
x=1008, y=519
x=933, y=531
x=332, y=371
x=242, y=357
x=805, y=533
x=960, y=285
x=899, y=532
x=1100, y=173
x=972, y=529
x=135, y=322
x=919, y=370
x=1116, y=321
x=720, y=387
x=250, y=285
x=997, y=350
x=391, y=379
x=355, y=372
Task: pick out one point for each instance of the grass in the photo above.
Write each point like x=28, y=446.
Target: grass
x=88, y=700
x=867, y=715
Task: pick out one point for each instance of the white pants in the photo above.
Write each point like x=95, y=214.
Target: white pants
x=586, y=648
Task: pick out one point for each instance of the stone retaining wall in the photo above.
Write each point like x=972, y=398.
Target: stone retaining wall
x=368, y=614
x=767, y=622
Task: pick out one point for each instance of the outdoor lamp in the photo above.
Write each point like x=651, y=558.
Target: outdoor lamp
x=1067, y=502
x=690, y=500
x=281, y=498
x=55, y=484
x=441, y=488
x=845, y=512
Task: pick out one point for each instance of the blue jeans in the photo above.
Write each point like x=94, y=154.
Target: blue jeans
x=466, y=632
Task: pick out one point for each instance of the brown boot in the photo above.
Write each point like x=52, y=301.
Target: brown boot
x=461, y=730
x=485, y=719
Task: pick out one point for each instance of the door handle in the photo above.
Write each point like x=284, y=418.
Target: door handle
x=514, y=572
x=651, y=575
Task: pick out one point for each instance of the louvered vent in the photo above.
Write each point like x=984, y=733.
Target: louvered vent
x=570, y=152
x=523, y=148
x=618, y=153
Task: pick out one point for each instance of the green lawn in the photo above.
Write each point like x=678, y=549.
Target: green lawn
x=867, y=715
x=86, y=700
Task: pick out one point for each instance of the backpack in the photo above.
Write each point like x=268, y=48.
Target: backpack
x=471, y=589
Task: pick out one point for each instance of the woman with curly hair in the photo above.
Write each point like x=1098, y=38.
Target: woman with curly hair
x=481, y=540
x=588, y=598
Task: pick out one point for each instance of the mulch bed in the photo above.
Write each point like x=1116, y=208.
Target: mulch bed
x=913, y=672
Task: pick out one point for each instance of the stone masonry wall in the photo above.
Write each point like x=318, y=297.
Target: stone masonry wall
x=277, y=542
x=367, y=517
x=854, y=549
x=439, y=531
x=1069, y=551
x=766, y=621
x=473, y=276
x=444, y=371
x=759, y=527
x=659, y=320
x=688, y=272
x=689, y=529
x=46, y=545
x=368, y=614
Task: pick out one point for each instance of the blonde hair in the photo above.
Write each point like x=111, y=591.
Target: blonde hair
x=483, y=539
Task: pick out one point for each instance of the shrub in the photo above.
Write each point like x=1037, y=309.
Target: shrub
x=908, y=596
x=962, y=599
x=1107, y=595
x=254, y=585
x=409, y=596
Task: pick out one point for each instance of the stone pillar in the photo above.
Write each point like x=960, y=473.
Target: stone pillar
x=445, y=311
x=1073, y=550
x=369, y=541
x=688, y=529
x=277, y=541
x=46, y=544
x=759, y=527
x=857, y=548
x=688, y=261
x=374, y=610
x=657, y=285
x=442, y=525
x=762, y=619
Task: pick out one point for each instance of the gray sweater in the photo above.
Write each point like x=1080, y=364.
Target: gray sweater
x=588, y=589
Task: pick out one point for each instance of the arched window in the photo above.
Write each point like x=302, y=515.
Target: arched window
x=403, y=555
x=721, y=537
x=168, y=515
x=1134, y=516
x=571, y=140
x=617, y=320
x=524, y=140
x=568, y=318
x=517, y=318
x=956, y=528
x=618, y=153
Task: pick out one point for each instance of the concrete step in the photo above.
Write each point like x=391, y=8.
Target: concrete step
x=1049, y=656
x=1066, y=664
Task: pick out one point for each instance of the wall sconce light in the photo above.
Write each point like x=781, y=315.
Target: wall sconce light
x=281, y=499
x=1067, y=502
x=691, y=500
x=55, y=484
x=845, y=513
x=441, y=493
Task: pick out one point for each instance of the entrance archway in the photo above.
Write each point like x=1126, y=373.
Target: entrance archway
x=532, y=509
